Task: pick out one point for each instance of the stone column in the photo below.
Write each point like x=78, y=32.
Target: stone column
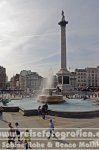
x=63, y=23
x=63, y=74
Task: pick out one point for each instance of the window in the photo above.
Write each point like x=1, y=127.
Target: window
x=65, y=79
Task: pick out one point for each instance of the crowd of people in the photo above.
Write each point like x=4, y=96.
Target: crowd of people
x=15, y=137
x=14, y=131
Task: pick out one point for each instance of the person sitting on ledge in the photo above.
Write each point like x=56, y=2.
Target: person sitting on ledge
x=46, y=108
x=39, y=111
x=1, y=113
x=43, y=111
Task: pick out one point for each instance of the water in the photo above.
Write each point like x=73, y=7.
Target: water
x=48, y=84
x=71, y=105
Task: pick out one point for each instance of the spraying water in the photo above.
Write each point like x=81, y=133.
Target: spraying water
x=48, y=83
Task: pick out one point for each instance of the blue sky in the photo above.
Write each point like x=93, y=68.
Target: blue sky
x=30, y=34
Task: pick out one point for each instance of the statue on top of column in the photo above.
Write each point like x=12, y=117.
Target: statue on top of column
x=63, y=17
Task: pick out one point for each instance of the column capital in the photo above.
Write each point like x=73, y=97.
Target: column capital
x=63, y=23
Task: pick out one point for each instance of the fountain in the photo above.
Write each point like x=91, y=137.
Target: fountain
x=50, y=94
x=49, y=97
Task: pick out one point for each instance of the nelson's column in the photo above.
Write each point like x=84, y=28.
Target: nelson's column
x=63, y=75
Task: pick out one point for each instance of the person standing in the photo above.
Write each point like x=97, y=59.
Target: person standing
x=51, y=129
x=17, y=131
x=27, y=139
x=11, y=135
x=43, y=111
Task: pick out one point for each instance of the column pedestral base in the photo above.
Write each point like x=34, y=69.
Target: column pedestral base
x=64, y=81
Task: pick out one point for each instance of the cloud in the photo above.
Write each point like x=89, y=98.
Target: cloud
x=30, y=34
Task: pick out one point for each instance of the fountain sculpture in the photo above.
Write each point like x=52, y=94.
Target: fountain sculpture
x=50, y=96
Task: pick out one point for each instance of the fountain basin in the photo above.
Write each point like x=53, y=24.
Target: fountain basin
x=53, y=99
x=71, y=108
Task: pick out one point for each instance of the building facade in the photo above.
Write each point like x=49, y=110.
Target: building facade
x=98, y=75
x=87, y=78
x=30, y=81
x=33, y=82
x=80, y=78
x=92, y=77
x=2, y=77
x=14, y=82
x=22, y=79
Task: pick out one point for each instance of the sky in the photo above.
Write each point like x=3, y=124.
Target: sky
x=30, y=35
